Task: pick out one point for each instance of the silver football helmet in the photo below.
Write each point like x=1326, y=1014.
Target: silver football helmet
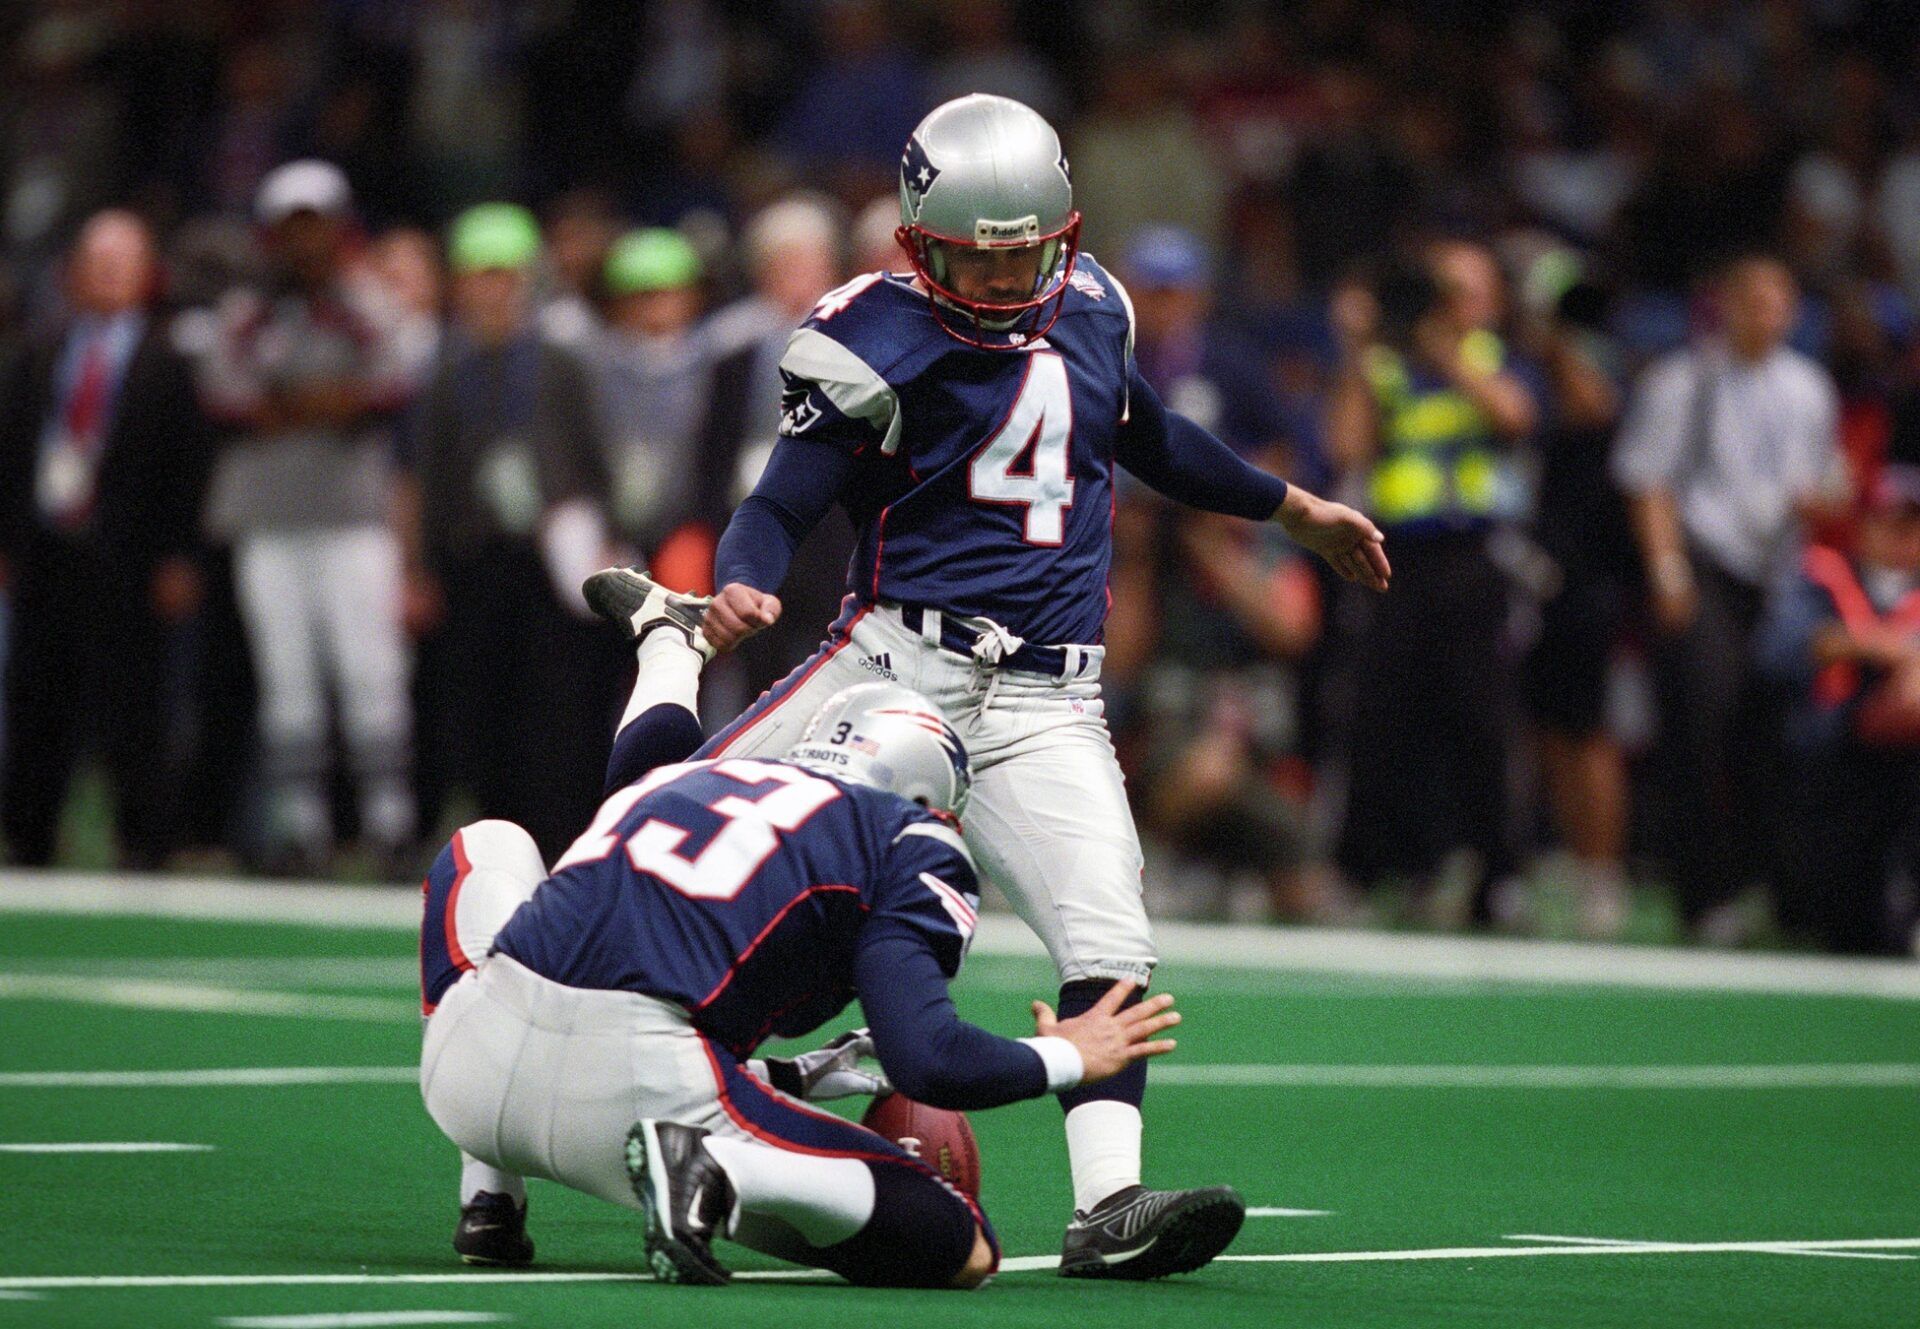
x=987, y=173
x=892, y=738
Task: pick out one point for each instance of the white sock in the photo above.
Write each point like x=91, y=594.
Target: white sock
x=825, y=1200
x=669, y=673
x=1103, y=1145
x=476, y=1176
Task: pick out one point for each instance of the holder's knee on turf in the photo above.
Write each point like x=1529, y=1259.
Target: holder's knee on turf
x=922, y=1234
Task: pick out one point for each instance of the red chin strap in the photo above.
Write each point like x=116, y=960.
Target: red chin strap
x=1023, y=321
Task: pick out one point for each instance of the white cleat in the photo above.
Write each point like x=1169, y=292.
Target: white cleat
x=638, y=603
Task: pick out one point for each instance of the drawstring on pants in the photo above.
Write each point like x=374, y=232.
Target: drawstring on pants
x=993, y=645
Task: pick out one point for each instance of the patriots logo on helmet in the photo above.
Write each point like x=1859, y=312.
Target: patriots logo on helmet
x=917, y=174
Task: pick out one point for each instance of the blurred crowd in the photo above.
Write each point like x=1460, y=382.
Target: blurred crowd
x=342, y=338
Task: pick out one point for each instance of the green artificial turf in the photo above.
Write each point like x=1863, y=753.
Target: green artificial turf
x=353, y=1179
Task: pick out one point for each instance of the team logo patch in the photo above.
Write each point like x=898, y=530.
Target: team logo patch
x=917, y=174
x=798, y=411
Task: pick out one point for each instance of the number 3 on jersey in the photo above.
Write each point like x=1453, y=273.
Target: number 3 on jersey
x=1025, y=463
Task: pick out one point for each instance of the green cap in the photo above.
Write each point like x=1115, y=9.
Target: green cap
x=493, y=235
x=652, y=260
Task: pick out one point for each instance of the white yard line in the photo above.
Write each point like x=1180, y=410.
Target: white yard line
x=1389, y=956
x=1837, y=1075
x=1637, y=1248
x=360, y=1319
x=159, y=995
x=234, y=1077
x=1013, y=1264
x=1784, y=1249
x=1271, y=1211
x=399, y=970
x=65, y=1282
x=107, y=1147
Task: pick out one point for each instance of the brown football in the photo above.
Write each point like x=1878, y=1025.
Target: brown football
x=938, y=1137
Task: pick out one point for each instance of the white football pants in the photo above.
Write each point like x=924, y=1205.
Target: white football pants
x=1048, y=822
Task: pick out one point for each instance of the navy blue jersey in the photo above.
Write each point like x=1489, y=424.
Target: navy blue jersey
x=747, y=891
x=984, y=478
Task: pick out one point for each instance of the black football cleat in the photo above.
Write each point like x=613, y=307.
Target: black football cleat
x=493, y=1230
x=638, y=603
x=1136, y=1233
x=686, y=1198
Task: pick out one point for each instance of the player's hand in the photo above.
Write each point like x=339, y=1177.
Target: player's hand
x=1352, y=545
x=833, y=1071
x=737, y=613
x=1111, y=1039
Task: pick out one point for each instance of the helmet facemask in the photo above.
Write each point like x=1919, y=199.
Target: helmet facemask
x=1010, y=321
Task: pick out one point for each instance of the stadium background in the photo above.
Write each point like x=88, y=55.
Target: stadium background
x=1272, y=185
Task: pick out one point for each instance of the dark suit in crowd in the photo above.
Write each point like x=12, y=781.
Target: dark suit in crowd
x=103, y=461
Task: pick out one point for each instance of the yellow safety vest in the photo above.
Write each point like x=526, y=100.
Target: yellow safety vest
x=1437, y=458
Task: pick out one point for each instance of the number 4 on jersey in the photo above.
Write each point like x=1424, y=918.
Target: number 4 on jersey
x=1025, y=463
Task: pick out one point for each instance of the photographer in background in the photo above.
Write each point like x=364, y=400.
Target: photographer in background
x=1216, y=612
x=1426, y=405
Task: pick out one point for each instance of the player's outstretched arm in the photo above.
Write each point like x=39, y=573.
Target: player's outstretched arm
x=1108, y=1038
x=800, y=483
x=928, y=1052
x=1345, y=537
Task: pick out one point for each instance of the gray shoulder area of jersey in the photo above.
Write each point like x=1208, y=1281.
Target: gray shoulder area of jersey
x=855, y=388
x=945, y=835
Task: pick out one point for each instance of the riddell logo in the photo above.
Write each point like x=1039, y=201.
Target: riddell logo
x=881, y=664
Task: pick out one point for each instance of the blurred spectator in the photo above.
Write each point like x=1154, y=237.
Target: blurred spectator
x=102, y=464
x=1351, y=187
x=1897, y=208
x=874, y=247
x=1427, y=403
x=1224, y=608
x=580, y=227
x=650, y=366
x=1200, y=366
x=858, y=99
x=792, y=251
x=401, y=277
x=309, y=385
x=1138, y=157
x=245, y=137
x=1726, y=446
x=1716, y=186
x=510, y=468
x=464, y=113
x=1581, y=524
x=61, y=123
x=1844, y=635
x=981, y=54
